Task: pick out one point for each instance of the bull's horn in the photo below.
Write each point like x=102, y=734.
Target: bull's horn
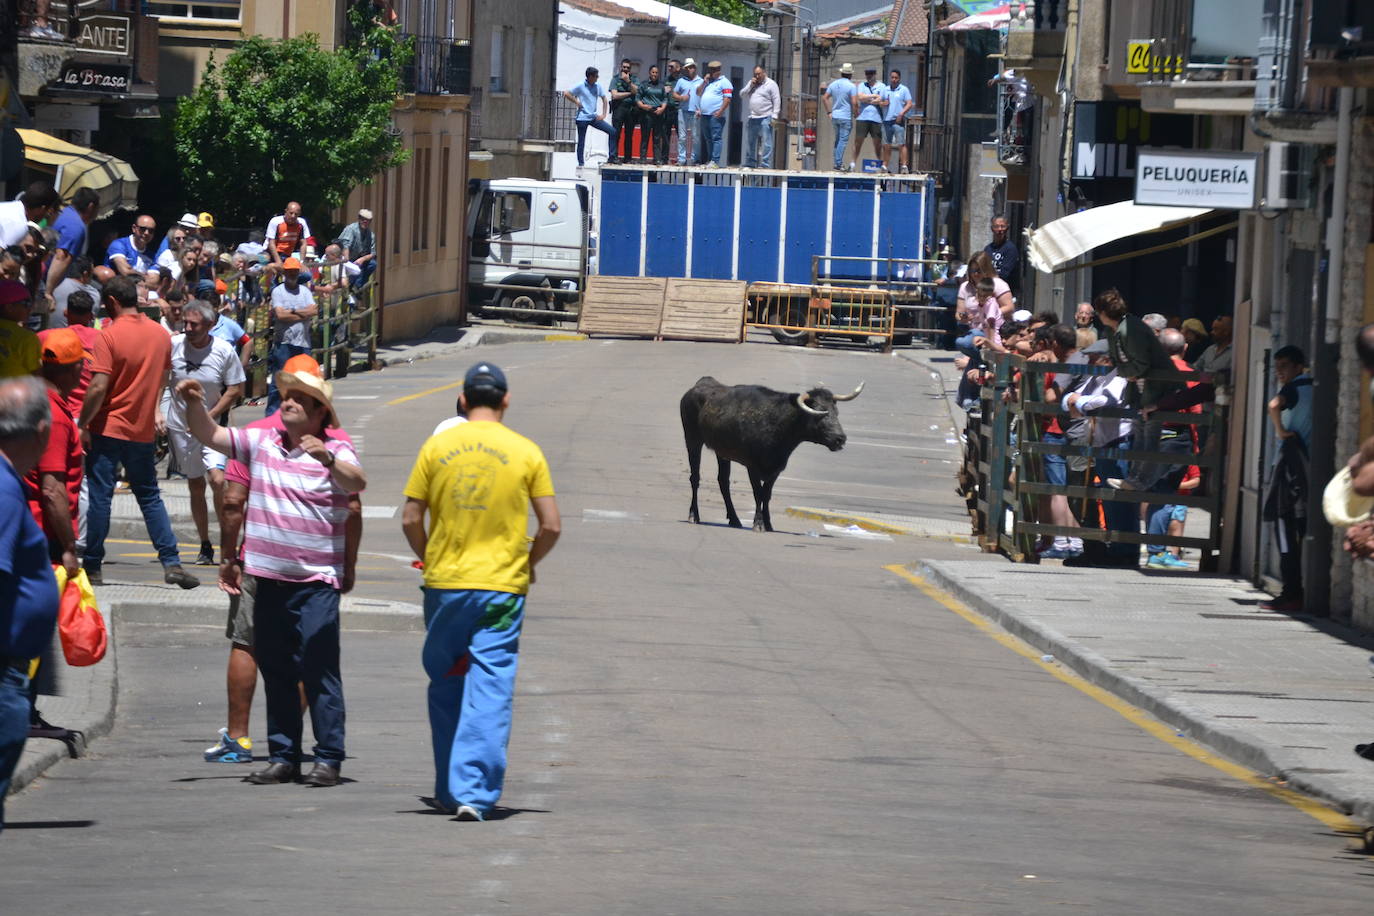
x=801, y=402
x=852, y=395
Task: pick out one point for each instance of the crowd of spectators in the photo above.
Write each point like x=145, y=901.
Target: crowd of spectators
x=136, y=347
x=1153, y=372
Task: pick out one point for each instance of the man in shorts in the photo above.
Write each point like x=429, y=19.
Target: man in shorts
x=212, y=362
x=234, y=745
x=870, y=97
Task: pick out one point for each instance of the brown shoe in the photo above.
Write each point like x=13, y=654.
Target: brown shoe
x=322, y=776
x=275, y=774
x=175, y=575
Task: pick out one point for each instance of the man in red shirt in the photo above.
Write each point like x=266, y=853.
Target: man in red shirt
x=55, y=481
x=120, y=417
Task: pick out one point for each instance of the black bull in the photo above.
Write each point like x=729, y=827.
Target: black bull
x=759, y=428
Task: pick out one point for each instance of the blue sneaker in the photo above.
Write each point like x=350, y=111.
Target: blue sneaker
x=1173, y=562
x=230, y=750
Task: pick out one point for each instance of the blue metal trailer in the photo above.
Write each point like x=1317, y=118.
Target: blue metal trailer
x=756, y=225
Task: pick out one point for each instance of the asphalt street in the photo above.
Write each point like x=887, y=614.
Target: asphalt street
x=708, y=720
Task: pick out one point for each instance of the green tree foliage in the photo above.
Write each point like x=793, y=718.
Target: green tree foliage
x=727, y=11
x=287, y=120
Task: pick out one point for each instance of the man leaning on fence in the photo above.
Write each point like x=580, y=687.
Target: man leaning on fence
x=293, y=306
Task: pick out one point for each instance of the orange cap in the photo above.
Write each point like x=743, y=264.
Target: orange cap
x=301, y=364
x=221, y=287
x=291, y=264
x=62, y=347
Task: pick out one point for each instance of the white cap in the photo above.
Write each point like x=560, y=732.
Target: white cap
x=689, y=63
x=1021, y=315
x=188, y=221
x=364, y=213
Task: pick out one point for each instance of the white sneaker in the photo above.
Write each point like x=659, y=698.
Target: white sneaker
x=469, y=813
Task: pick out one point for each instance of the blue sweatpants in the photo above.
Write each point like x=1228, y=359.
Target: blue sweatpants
x=472, y=646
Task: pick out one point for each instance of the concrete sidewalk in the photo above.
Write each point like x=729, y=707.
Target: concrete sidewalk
x=1288, y=696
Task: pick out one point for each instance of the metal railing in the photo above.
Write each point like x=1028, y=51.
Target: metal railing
x=343, y=333
x=1039, y=15
x=933, y=149
x=1003, y=474
x=441, y=66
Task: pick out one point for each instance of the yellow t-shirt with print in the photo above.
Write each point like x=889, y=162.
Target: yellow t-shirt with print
x=19, y=353
x=478, y=479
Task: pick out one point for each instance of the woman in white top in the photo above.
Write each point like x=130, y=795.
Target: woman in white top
x=983, y=323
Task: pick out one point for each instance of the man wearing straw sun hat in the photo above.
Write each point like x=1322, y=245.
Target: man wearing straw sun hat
x=293, y=545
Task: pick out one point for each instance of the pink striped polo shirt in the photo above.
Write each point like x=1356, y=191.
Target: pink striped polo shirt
x=293, y=528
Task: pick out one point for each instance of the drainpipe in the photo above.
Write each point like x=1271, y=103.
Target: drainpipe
x=1317, y=556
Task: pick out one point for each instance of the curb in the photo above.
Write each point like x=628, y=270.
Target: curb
x=478, y=337
x=100, y=682
x=876, y=526
x=1231, y=742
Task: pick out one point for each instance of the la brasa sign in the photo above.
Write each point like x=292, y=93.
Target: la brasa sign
x=1187, y=178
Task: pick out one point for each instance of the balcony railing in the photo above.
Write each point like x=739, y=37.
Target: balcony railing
x=551, y=118
x=441, y=66
x=1043, y=16
x=475, y=118
x=933, y=149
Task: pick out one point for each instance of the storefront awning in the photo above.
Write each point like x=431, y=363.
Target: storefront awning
x=74, y=167
x=1057, y=243
x=995, y=18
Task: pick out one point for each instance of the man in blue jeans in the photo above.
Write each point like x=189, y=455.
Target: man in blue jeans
x=839, y=101
x=716, y=93
x=590, y=98
x=28, y=591
x=120, y=419
x=293, y=305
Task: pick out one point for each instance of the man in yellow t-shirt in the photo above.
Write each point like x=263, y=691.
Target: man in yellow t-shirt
x=18, y=345
x=477, y=481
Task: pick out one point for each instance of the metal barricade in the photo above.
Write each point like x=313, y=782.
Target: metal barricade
x=811, y=311
x=1003, y=474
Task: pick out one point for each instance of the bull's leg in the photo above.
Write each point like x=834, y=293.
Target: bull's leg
x=694, y=477
x=766, y=485
x=723, y=478
x=760, y=507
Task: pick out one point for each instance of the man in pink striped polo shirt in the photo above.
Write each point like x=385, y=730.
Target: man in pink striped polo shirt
x=294, y=545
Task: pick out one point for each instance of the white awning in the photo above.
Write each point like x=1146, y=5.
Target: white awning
x=1059, y=242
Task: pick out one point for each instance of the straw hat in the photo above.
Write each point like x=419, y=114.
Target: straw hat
x=1341, y=505
x=309, y=383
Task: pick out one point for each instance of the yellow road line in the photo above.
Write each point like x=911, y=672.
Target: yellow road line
x=426, y=393
x=1138, y=717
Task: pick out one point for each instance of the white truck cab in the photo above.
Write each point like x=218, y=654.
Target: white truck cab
x=528, y=234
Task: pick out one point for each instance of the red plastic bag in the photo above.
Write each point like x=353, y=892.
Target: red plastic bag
x=79, y=623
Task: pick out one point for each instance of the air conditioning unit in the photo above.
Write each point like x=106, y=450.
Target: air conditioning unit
x=1287, y=176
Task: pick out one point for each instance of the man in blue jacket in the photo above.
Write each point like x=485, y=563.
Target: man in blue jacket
x=28, y=589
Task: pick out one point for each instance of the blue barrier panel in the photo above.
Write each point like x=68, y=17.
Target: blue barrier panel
x=760, y=225
x=806, y=197
x=618, y=255
x=666, y=231
x=713, y=218
x=899, y=226
x=852, y=230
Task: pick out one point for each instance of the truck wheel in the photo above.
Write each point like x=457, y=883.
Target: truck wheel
x=791, y=338
x=796, y=317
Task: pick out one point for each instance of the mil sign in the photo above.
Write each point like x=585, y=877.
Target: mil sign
x=1188, y=178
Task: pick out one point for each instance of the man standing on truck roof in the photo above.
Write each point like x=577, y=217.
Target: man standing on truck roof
x=899, y=105
x=715, y=93
x=870, y=98
x=591, y=101
x=765, y=106
x=670, y=113
x=624, y=114
x=839, y=101
x=685, y=92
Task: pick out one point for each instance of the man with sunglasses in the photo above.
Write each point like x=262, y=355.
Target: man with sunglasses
x=624, y=114
x=130, y=256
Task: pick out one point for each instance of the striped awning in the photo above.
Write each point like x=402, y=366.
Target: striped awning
x=74, y=167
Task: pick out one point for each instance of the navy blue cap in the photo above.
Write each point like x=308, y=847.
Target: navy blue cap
x=485, y=375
